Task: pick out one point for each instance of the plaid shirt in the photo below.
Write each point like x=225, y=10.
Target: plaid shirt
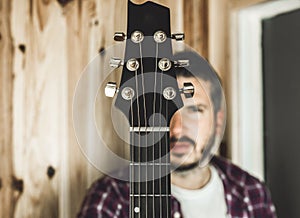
x=245, y=196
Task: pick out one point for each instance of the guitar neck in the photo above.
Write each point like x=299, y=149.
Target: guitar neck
x=150, y=179
x=147, y=97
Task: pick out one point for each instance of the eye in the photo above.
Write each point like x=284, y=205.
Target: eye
x=196, y=108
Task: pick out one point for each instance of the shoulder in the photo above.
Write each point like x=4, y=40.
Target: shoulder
x=236, y=177
x=110, y=186
x=106, y=196
x=244, y=189
x=234, y=173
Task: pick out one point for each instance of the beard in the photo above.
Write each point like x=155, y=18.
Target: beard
x=206, y=154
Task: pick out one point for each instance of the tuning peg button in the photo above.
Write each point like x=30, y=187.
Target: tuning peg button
x=188, y=90
x=111, y=89
x=182, y=63
x=119, y=36
x=116, y=62
x=178, y=36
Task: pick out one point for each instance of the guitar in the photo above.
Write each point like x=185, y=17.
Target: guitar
x=148, y=96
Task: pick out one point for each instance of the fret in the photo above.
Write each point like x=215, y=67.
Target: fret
x=150, y=164
x=150, y=195
x=149, y=129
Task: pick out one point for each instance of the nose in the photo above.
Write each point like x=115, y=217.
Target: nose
x=176, y=125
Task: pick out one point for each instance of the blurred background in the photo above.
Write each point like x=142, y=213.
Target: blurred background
x=45, y=45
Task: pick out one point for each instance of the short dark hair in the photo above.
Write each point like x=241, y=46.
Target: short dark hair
x=200, y=68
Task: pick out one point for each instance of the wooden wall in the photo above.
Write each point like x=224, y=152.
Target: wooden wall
x=221, y=21
x=44, y=46
x=6, y=85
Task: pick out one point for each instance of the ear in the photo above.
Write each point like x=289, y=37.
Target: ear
x=220, y=119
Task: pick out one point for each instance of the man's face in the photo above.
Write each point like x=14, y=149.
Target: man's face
x=193, y=126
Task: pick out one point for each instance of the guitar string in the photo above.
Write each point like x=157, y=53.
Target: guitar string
x=154, y=111
x=160, y=143
x=145, y=123
x=139, y=125
x=167, y=168
x=132, y=153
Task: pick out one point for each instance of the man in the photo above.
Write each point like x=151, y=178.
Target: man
x=215, y=190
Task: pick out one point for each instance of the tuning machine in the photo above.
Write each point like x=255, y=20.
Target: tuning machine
x=178, y=36
x=111, y=89
x=188, y=90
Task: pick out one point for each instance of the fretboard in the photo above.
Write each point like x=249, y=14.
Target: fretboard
x=149, y=170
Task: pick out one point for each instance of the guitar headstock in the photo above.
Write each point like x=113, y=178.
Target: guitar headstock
x=148, y=94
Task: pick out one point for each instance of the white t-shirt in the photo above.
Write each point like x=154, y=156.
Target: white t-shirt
x=207, y=202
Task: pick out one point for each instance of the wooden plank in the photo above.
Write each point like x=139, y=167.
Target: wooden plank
x=196, y=25
x=91, y=26
x=221, y=31
x=39, y=104
x=7, y=199
x=219, y=23
x=77, y=18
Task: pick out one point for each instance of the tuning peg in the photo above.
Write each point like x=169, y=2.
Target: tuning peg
x=182, y=63
x=178, y=36
x=188, y=90
x=111, y=89
x=116, y=62
x=119, y=36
